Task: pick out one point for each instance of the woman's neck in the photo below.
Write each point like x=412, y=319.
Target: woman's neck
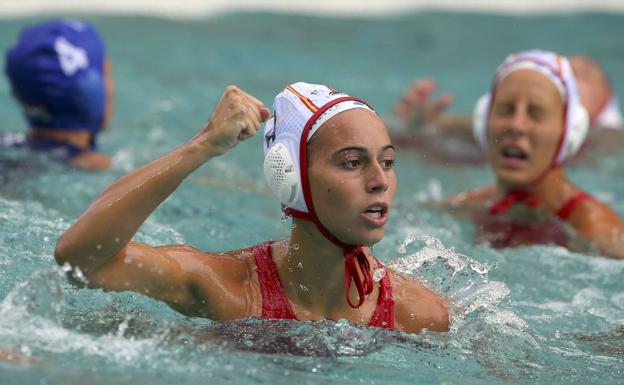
x=80, y=139
x=312, y=269
x=553, y=189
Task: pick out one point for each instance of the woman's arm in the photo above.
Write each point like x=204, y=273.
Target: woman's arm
x=600, y=225
x=103, y=232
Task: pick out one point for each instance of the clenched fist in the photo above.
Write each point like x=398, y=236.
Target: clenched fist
x=237, y=117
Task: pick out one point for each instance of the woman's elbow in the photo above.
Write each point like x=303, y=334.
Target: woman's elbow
x=62, y=251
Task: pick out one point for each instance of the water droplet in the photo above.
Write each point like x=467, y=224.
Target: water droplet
x=290, y=270
x=379, y=274
x=303, y=287
x=295, y=246
x=98, y=246
x=300, y=265
x=25, y=350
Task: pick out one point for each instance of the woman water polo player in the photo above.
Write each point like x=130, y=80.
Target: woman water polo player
x=420, y=121
x=529, y=123
x=329, y=159
x=62, y=79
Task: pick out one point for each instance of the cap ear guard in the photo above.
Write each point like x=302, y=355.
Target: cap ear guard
x=281, y=174
x=576, y=133
x=89, y=97
x=479, y=120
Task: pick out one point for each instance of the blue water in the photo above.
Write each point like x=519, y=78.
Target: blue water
x=530, y=315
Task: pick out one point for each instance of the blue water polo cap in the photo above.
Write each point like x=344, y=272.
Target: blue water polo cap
x=56, y=70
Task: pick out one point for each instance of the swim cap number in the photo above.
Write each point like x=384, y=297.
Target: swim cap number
x=71, y=58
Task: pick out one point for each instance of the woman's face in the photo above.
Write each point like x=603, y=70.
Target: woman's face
x=351, y=174
x=525, y=126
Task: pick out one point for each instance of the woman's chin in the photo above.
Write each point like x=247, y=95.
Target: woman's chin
x=514, y=179
x=372, y=239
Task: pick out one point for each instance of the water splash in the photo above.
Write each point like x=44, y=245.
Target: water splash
x=483, y=325
x=40, y=296
x=320, y=339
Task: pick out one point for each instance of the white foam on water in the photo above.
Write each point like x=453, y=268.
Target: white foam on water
x=31, y=320
x=202, y=8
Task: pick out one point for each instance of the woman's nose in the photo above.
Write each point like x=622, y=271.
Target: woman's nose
x=519, y=121
x=378, y=178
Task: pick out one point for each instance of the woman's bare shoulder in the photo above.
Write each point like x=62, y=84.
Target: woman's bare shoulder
x=417, y=307
x=233, y=262
x=477, y=195
x=219, y=283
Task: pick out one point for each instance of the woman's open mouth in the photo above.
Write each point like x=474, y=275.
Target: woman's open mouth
x=376, y=214
x=514, y=157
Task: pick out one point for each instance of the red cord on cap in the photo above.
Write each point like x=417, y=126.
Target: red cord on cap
x=365, y=287
x=351, y=253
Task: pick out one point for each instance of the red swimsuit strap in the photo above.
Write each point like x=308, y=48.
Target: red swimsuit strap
x=503, y=205
x=275, y=301
x=383, y=317
x=566, y=210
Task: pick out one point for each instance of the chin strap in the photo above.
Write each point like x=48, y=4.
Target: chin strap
x=365, y=287
x=503, y=205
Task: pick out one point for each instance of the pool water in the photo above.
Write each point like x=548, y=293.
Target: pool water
x=538, y=314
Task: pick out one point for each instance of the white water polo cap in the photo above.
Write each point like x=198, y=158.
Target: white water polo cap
x=556, y=68
x=298, y=112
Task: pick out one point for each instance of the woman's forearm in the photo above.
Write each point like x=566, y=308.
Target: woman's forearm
x=110, y=222
x=115, y=216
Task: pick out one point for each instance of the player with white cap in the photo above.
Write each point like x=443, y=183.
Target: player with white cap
x=529, y=124
x=329, y=159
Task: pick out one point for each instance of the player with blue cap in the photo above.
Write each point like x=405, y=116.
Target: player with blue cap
x=60, y=75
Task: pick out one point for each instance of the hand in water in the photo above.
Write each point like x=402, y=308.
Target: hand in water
x=417, y=106
x=237, y=117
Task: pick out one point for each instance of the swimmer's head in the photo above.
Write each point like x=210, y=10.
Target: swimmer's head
x=308, y=119
x=555, y=70
x=57, y=73
x=329, y=159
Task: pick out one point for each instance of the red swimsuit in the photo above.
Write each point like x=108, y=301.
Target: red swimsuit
x=500, y=232
x=275, y=302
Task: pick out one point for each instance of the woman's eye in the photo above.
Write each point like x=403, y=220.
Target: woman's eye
x=503, y=109
x=536, y=113
x=354, y=163
x=388, y=163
